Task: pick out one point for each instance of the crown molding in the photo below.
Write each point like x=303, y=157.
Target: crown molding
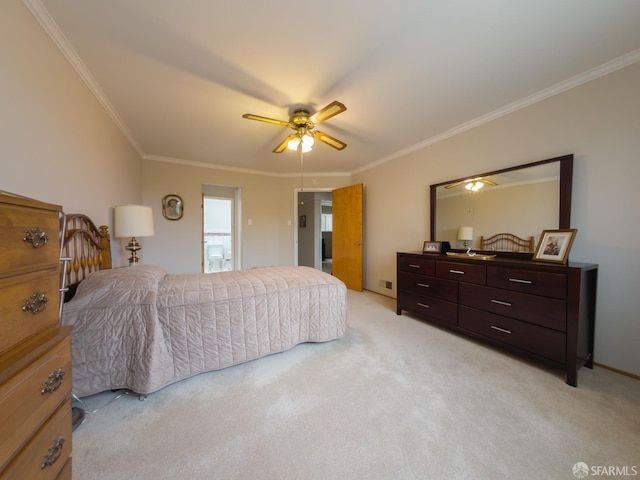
x=51, y=27
x=191, y=163
x=589, y=75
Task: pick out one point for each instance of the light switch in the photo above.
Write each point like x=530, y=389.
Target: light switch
x=250, y=221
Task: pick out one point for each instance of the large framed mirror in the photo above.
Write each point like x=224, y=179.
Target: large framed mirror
x=522, y=201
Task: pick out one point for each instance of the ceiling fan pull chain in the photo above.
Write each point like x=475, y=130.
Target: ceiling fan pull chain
x=301, y=167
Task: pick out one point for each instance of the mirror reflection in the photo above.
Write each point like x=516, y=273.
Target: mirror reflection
x=520, y=201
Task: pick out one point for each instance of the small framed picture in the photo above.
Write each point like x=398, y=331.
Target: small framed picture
x=172, y=207
x=554, y=245
x=432, y=247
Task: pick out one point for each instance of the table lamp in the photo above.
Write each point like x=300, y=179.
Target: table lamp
x=133, y=221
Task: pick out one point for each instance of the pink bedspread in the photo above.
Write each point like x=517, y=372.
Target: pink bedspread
x=141, y=329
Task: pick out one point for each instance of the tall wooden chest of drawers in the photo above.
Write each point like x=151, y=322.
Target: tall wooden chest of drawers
x=35, y=351
x=544, y=311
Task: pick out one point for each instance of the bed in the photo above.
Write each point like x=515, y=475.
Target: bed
x=141, y=329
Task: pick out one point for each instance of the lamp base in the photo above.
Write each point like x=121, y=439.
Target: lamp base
x=133, y=246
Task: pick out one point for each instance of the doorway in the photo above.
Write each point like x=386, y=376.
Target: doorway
x=220, y=220
x=347, y=246
x=314, y=229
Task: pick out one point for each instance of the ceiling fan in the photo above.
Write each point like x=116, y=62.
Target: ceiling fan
x=303, y=122
x=473, y=184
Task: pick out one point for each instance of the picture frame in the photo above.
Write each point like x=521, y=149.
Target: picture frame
x=554, y=245
x=432, y=247
x=172, y=207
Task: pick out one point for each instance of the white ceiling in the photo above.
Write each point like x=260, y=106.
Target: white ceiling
x=177, y=75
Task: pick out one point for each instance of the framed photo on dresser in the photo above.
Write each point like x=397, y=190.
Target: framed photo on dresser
x=432, y=247
x=554, y=245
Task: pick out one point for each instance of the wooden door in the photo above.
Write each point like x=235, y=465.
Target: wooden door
x=347, y=235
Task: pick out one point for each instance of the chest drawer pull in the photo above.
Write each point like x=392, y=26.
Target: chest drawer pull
x=36, y=304
x=36, y=237
x=413, y=265
x=424, y=305
x=500, y=302
x=457, y=272
x=55, y=380
x=503, y=330
x=518, y=280
x=55, y=450
x=423, y=285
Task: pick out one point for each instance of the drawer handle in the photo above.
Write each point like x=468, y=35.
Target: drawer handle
x=457, y=272
x=36, y=304
x=36, y=237
x=54, y=382
x=413, y=265
x=518, y=280
x=503, y=330
x=55, y=450
x=500, y=302
x=424, y=305
x=423, y=285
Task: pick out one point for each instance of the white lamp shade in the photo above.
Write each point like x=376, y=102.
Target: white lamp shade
x=465, y=233
x=132, y=221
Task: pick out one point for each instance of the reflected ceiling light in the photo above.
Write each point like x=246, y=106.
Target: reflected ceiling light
x=474, y=186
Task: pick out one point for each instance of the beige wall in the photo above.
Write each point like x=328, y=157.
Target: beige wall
x=57, y=143
x=599, y=123
x=268, y=214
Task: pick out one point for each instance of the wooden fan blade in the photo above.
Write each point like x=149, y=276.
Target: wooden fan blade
x=251, y=116
x=283, y=145
x=329, y=140
x=456, y=184
x=331, y=110
x=471, y=180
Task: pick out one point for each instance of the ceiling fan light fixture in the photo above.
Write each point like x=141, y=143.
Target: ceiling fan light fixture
x=303, y=123
x=307, y=143
x=293, y=143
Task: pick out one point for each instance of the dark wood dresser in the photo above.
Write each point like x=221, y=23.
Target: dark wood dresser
x=544, y=311
x=35, y=351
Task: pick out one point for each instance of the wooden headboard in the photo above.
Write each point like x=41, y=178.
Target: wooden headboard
x=87, y=247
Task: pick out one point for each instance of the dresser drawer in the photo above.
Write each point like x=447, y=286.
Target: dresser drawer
x=543, y=311
x=424, y=266
x=18, y=256
x=50, y=447
x=18, y=322
x=431, y=307
x=541, y=341
x=32, y=395
x=537, y=283
x=65, y=473
x=463, y=272
x=432, y=286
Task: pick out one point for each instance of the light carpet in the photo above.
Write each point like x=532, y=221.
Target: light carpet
x=396, y=398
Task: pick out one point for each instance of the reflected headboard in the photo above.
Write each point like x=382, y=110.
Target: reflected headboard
x=507, y=242
x=87, y=247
